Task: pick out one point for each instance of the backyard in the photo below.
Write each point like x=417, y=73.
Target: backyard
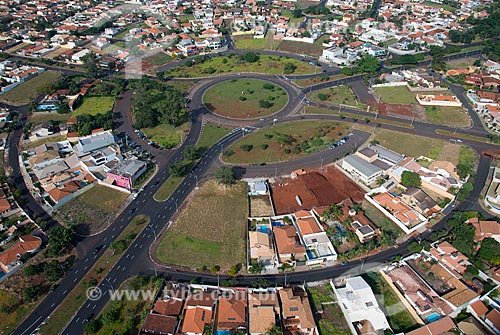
x=210, y=231
x=260, y=206
x=93, y=210
x=237, y=63
x=398, y=316
x=338, y=95
x=327, y=312
x=95, y=105
x=166, y=135
x=245, y=98
x=285, y=141
x=30, y=89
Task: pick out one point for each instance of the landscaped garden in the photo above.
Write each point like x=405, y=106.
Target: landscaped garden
x=250, y=62
x=285, y=141
x=210, y=231
x=93, y=210
x=245, y=98
x=327, y=313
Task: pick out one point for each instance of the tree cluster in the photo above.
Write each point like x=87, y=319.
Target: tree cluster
x=156, y=103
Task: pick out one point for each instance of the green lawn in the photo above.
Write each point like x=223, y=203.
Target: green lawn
x=167, y=135
x=157, y=59
x=454, y=116
x=95, y=105
x=338, y=95
x=236, y=63
x=38, y=118
x=74, y=299
x=182, y=86
x=409, y=144
x=289, y=14
x=396, y=95
x=210, y=134
x=379, y=219
x=211, y=229
x=398, y=316
x=167, y=188
x=241, y=98
x=248, y=42
x=439, y=5
x=23, y=93
x=285, y=141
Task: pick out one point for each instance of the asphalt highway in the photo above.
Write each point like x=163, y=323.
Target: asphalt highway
x=136, y=259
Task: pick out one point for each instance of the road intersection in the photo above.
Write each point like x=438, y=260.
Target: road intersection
x=136, y=259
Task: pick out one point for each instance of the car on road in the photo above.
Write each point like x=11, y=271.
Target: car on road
x=131, y=211
x=87, y=319
x=156, y=183
x=262, y=164
x=96, y=249
x=344, y=263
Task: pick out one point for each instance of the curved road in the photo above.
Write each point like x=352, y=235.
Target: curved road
x=136, y=259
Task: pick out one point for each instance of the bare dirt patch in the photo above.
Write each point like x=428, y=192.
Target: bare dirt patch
x=402, y=110
x=315, y=188
x=260, y=205
x=450, y=152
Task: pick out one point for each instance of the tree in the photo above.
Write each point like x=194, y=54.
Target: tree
x=490, y=251
x=31, y=270
x=233, y=271
x=225, y=175
x=265, y=104
x=191, y=152
x=322, y=96
x=59, y=239
x=53, y=271
x=410, y=179
x=178, y=168
x=118, y=246
x=274, y=330
x=246, y=147
x=31, y=293
x=368, y=64
x=289, y=68
x=414, y=247
x=90, y=64
x=92, y=327
x=251, y=57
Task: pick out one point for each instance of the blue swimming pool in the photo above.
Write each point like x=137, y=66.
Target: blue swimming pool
x=433, y=317
x=222, y=332
x=263, y=229
x=277, y=223
x=310, y=254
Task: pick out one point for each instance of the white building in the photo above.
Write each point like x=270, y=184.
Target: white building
x=359, y=304
x=362, y=169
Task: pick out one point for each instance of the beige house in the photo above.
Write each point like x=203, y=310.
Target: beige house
x=296, y=311
x=261, y=247
x=263, y=311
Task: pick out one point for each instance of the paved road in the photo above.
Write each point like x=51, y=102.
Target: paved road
x=136, y=261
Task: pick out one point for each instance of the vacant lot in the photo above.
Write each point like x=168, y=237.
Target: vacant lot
x=398, y=316
x=260, y=205
x=38, y=118
x=454, y=116
x=380, y=220
x=211, y=229
x=12, y=312
x=338, y=95
x=167, y=135
x=95, y=105
x=318, y=80
x=247, y=42
x=285, y=141
x=210, y=134
x=157, y=59
x=396, y=95
x=409, y=144
x=327, y=312
x=245, y=98
x=23, y=93
x=231, y=64
x=93, y=210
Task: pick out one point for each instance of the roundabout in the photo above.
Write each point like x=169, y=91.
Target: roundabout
x=245, y=98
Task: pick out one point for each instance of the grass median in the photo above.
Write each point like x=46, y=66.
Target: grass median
x=74, y=300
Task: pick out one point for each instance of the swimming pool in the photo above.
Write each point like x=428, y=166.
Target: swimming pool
x=263, y=229
x=222, y=332
x=277, y=223
x=433, y=317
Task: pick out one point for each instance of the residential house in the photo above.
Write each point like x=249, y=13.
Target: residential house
x=198, y=313
x=296, y=311
x=362, y=169
x=441, y=326
x=420, y=201
x=359, y=304
x=451, y=258
x=485, y=229
x=492, y=319
x=261, y=248
x=319, y=247
x=231, y=312
x=10, y=258
x=288, y=244
x=363, y=232
x=163, y=317
x=263, y=311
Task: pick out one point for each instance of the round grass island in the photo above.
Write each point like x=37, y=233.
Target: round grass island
x=245, y=98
